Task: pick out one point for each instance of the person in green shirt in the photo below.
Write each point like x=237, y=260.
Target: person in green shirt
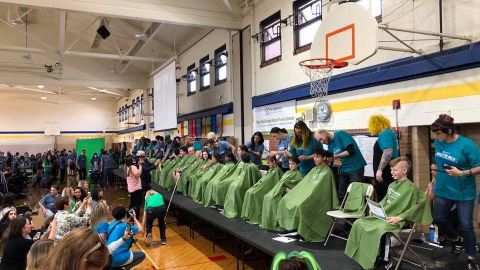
x=154, y=209
x=47, y=169
x=344, y=147
x=385, y=149
x=403, y=202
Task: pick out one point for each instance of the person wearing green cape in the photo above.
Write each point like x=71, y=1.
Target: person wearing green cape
x=176, y=157
x=182, y=165
x=270, y=201
x=252, y=203
x=403, y=202
x=224, y=172
x=239, y=186
x=202, y=178
x=221, y=187
x=305, y=207
x=182, y=175
x=194, y=175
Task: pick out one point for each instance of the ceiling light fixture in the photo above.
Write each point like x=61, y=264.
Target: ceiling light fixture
x=93, y=98
x=140, y=35
x=40, y=86
x=17, y=22
x=43, y=98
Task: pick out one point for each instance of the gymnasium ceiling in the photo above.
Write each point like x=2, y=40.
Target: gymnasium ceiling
x=55, y=43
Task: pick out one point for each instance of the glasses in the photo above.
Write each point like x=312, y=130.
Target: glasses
x=96, y=247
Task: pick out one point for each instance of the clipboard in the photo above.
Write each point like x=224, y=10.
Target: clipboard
x=376, y=210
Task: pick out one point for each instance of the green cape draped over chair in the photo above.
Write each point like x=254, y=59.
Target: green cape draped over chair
x=183, y=180
x=221, y=187
x=199, y=182
x=225, y=172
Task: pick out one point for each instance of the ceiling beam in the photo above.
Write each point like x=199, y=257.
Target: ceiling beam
x=61, y=35
x=114, y=56
x=151, y=32
x=233, y=8
x=146, y=11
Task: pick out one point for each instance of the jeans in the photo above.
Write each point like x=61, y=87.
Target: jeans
x=138, y=257
x=82, y=172
x=107, y=177
x=136, y=201
x=345, y=179
x=441, y=208
x=159, y=214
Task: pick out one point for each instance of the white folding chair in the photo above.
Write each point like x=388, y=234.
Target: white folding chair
x=340, y=214
x=405, y=246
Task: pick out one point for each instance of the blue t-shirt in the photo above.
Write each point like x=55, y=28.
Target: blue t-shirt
x=122, y=254
x=102, y=227
x=282, y=146
x=72, y=157
x=339, y=143
x=222, y=149
x=463, y=154
x=258, y=148
x=49, y=202
x=62, y=163
x=107, y=161
x=388, y=139
x=305, y=165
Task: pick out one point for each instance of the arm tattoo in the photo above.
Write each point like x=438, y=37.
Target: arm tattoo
x=386, y=157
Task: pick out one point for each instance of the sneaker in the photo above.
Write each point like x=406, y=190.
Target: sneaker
x=472, y=265
x=457, y=246
x=394, y=242
x=213, y=207
x=148, y=240
x=163, y=242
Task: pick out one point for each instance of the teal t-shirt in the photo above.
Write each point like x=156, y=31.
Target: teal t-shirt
x=341, y=140
x=156, y=200
x=388, y=139
x=305, y=165
x=463, y=154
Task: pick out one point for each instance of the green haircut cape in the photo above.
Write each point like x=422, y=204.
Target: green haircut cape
x=185, y=162
x=201, y=182
x=271, y=200
x=193, y=177
x=253, y=201
x=237, y=189
x=305, y=207
x=307, y=257
x=166, y=169
x=225, y=171
x=220, y=189
x=183, y=180
x=403, y=199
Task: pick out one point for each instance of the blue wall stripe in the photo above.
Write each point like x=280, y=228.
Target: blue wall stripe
x=61, y=132
x=409, y=68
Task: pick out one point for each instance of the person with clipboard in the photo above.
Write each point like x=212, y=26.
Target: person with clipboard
x=403, y=202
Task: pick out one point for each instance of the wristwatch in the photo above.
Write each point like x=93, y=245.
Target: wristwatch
x=324, y=111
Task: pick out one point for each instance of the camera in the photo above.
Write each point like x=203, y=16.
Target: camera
x=129, y=161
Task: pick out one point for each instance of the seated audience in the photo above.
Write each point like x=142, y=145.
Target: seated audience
x=8, y=202
x=17, y=243
x=304, y=208
x=99, y=219
x=47, y=202
x=79, y=194
x=271, y=200
x=38, y=253
x=64, y=221
x=79, y=250
x=252, y=204
x=403, y=202
x=6, y=219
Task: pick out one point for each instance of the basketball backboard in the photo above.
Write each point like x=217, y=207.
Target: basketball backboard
x=348, y=33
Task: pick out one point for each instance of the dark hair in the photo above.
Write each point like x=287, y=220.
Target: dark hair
x=245, y=157
x=305, y=136
x=209, y=156
x=8, y=200
x=232, y=157
x=55, y=187
x=272, y=159
x=252, y=141
x=217, y=157
x=168, y=140
x=83, y=193
x=184, y=149
x=211, y=141
x=61, y=202
x=277, y=130
x=295, y=159
x=293, y=263
x=322, y=152
x=243, y=147
x=95, y=194
x=176, y=151
x=15, y=227
x=444, y=123
x=119, y=212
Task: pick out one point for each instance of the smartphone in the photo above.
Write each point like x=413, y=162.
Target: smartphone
x=89, y=194
x=447, y=167
x=129, y=228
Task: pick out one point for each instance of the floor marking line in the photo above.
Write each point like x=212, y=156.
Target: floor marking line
x=148, y=257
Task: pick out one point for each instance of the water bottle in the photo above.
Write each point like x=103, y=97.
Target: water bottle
x=431, y=233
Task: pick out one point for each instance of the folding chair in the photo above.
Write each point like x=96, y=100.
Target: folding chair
x=406, y=245
x=361, y=192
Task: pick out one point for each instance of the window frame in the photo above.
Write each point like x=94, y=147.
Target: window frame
x=190, y=70
x=297, y=5
x=201, y=72
x=263, y=44
x=219, y=64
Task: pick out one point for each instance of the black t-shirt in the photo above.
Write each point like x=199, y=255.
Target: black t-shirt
x=377, y=157
x=15, y=253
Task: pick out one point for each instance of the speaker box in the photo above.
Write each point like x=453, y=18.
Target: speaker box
x=103, y=32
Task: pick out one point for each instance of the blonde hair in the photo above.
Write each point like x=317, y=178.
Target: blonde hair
x=397, y=160
x=304, y=138
x=38, y=253
x=80, y=247
x=378, y=123
x=150, y=193
x=211, y=136
x=83, y=184
x=99, y=213
x=67, y=192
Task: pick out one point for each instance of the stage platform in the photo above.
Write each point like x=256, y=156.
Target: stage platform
x=329, y=258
